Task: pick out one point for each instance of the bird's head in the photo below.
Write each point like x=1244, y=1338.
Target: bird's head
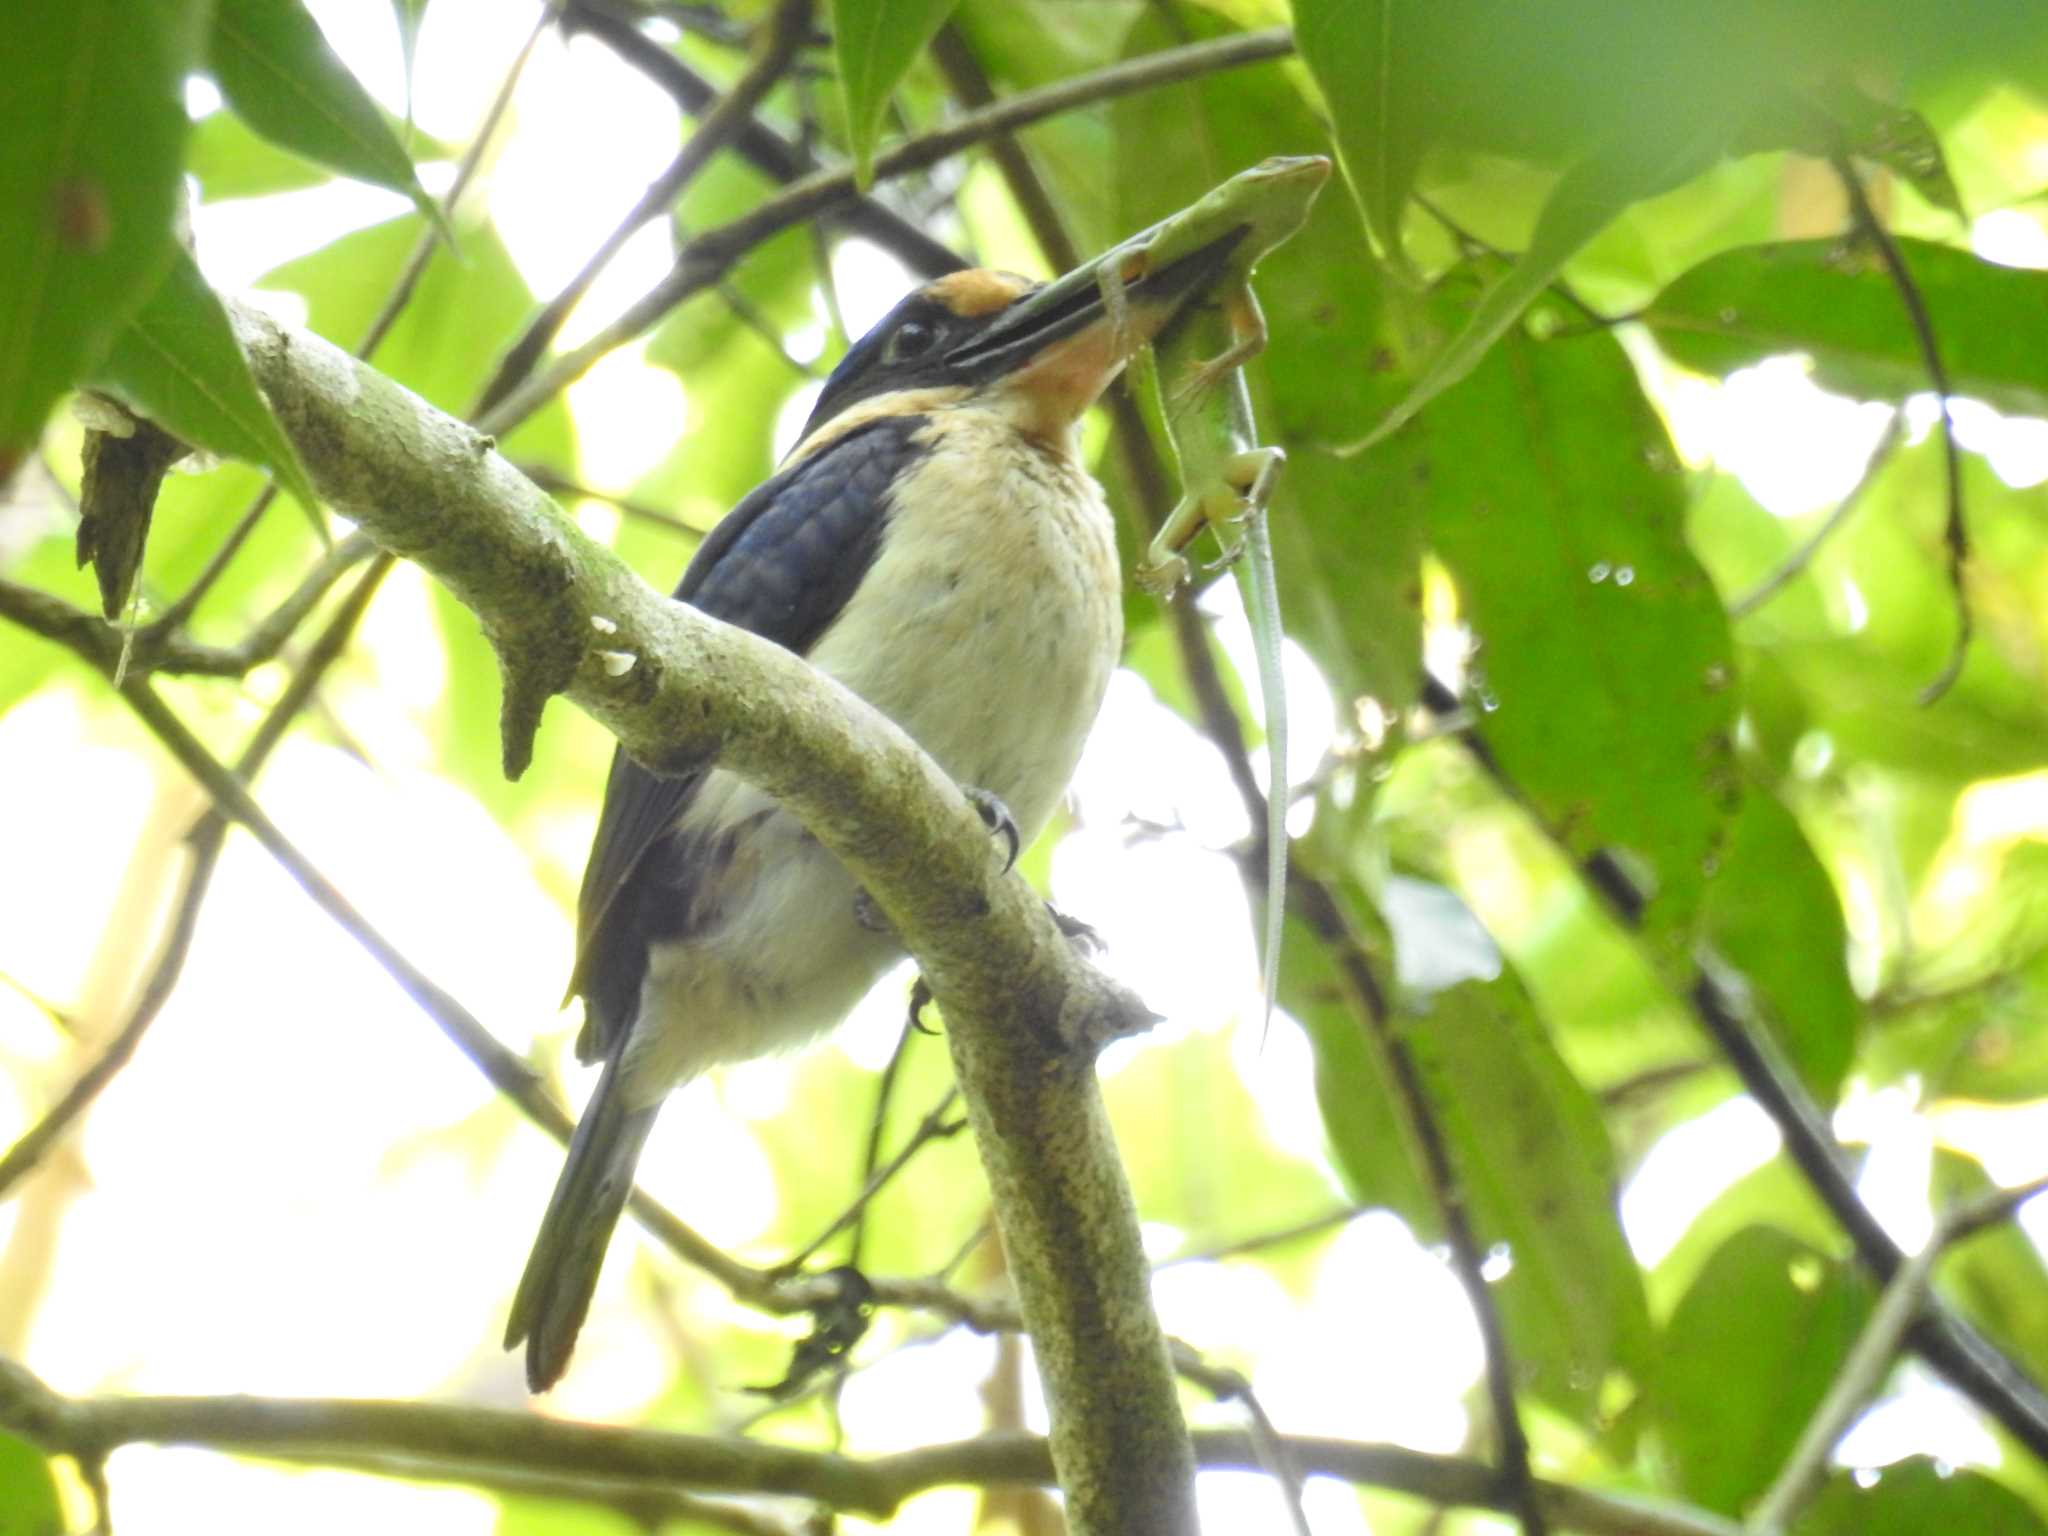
x=1040, y=352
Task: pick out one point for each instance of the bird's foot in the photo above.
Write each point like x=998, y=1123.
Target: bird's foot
x=997, y=818
x=870, y=916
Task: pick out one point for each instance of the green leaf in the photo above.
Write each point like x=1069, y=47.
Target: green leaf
x=1918, y=1497
x=28, y=1493
x=230, y=159
x=1837, y=304
x=1589, y=198
x=1982, y=1041
x=1772, y=913
x=1749, y=1353
x=92, y=130
x=1528, y=1145
x=1198, y=1155
x=178, y=363
x=1525, y=1141
x=1370, y=1141
x=1996, y=1277
x=1355, y=53
x=875, y=42
x=1860, y=660
x=1775, y=1195
x=276, y=70
x=1604, y=674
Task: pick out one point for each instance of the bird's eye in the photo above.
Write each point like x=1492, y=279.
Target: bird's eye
x=911, y=340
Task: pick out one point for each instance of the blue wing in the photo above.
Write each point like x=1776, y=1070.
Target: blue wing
x=783, y=563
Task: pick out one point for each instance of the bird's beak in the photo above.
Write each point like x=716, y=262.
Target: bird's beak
x=1059, y=347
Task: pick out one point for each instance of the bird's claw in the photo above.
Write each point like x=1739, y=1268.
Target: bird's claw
x=920, y=999
x=997, y=818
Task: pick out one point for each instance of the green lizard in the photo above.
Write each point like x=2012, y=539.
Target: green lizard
x=1205, y=416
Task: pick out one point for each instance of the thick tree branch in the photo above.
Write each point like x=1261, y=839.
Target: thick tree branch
x=1025, y=1014
x=435, y=1441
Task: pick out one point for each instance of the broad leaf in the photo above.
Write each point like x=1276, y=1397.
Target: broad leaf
x=1996, y=1278
x=875, y=42
x=277, y=71
x=1585, y=202
x=1357, y=52
x=92, y=128
x=1604, y=670
x=1918, y=1497
x=28, y=1493
x=1525, y=1141
x=1370, y=1141
x=178, y=363
x=1748, y=1355
x=1530, y=1151
x=1836, y=303
x=1772, y=913
x=230, y=159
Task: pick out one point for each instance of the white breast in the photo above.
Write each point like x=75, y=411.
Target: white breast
x=999, y=572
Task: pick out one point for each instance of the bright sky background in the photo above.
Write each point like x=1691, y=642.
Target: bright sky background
x=277, y=1135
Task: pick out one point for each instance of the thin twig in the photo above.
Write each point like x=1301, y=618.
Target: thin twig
x=750, y=314
x=1955, y=531
x=785, y=33
x=93, y=637
x=1880, y=455
x=1471, y=242
x=936, y=1126
x=707, y=258
x=1972, y=1364
x=1276, y=1459
x=1260, y=1241
x=969, y=83
x=431, y=239
x=766, y=150
x=556, y=484
x=878, y=1124
x=174, y=617
x=1870, y=1360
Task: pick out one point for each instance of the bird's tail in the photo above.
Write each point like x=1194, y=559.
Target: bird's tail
x=561, y=1273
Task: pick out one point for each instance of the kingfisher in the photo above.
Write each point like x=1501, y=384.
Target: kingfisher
x=932, y=542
